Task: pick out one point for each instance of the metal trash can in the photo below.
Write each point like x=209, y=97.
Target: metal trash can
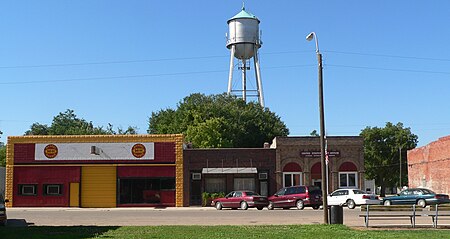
x=336, y=214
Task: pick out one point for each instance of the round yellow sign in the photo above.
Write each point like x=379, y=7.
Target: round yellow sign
x=50, y=151
x=138, y=150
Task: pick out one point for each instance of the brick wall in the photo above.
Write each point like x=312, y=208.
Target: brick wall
x=428, y=166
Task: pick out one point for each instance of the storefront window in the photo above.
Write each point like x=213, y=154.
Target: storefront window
x=244, y=184
x=348, y=180
x=144, y=190
x=215, y=185
x=292, y=179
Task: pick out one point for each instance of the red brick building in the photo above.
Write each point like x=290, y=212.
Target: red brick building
x=428, y=166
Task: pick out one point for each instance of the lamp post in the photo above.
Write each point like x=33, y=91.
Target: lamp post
x=311, y=36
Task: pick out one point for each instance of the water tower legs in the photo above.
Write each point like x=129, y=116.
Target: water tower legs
x=259, y=88
x=230, y=75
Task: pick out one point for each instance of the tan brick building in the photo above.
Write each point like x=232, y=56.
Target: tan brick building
x=428, y=166
x=298, y=161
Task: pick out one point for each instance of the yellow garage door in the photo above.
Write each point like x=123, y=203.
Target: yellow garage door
x=98, y=186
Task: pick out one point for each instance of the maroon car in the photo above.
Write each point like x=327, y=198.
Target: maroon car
x=242, y=200
x=296, y=196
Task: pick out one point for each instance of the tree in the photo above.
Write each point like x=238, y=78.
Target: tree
x=2, y=152
x=218, y=121
x=68, y=123
x=382, y=147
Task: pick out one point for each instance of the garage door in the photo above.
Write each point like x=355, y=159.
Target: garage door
x=98, y=186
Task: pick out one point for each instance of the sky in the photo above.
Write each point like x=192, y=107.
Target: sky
x=118, y=61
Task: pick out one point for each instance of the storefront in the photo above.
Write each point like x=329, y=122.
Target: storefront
x=95, y=171
x=298, y=161
x=225, y=170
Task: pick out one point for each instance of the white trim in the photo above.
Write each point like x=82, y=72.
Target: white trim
x=263, y=176
x=23, y=186
x=348, y=173
x=292, y=178
x=196, y=176
x=48, y=186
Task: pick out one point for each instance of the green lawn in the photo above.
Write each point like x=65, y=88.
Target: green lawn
x=232, y=232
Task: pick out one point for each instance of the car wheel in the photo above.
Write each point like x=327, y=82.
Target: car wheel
x=270, y=206
x=244, y=205
x=351, y=204
x=218, y=206
x=299, y=204
x=387, y=203
x=259, y=208
x=316, y=207
x=421, y=203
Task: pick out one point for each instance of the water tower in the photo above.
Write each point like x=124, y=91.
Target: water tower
x=243, y=40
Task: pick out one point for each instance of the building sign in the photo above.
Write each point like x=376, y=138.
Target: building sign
x=103, y=151
x=317, y=154
x=138, y=150
x=50, y=151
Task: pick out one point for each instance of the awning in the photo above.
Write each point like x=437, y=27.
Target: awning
x=228, y=170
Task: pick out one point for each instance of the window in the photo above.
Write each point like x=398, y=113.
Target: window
x=27, y=189
x=244, y=184
x=52, y=189
x=215, y=185
x=144, y=190
x=348, y=180
x=292, y=179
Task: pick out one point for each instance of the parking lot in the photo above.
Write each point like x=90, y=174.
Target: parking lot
x=177, y=216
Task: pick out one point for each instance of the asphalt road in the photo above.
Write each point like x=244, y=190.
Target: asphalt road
x=176, y=216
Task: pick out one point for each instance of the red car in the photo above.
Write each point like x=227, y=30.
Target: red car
x=296, y=196
x=242, y=200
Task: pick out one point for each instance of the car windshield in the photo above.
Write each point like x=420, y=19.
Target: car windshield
x=281, y=192
x=359, y=192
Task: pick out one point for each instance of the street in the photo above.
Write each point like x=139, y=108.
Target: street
x=176, y=216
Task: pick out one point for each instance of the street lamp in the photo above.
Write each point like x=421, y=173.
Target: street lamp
x=311, y=36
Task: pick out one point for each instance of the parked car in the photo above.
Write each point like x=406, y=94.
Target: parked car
x=352, y=198
x=420, y=196
x=242, y=200
x=296, y=196
x=3, y=217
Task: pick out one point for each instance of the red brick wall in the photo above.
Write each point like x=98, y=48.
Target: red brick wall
x=429, y=166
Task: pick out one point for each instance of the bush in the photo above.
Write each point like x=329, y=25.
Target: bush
x=208, y=197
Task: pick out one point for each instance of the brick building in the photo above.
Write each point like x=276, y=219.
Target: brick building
x=428, y=166
x=95, y=171
x=298, y=161
x=225, y=170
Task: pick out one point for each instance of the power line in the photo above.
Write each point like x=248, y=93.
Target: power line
x=135, y=76
x=390, y=69
x=210, y=57
x=390, y=56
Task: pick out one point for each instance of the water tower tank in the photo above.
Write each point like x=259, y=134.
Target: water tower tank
x=243, y=34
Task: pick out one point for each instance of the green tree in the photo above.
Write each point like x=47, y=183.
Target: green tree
x=382, y=147
x=2, y=152
x=218, y=121
x=68, y=123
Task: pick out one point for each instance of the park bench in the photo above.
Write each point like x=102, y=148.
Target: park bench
x=439, y=211
x=391, y=212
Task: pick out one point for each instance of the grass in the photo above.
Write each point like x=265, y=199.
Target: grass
x=234, y=232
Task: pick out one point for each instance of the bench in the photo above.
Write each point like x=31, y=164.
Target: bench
x=439, y=211
x=391, y=212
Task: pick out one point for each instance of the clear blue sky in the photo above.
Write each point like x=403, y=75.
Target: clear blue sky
x=118, y=61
